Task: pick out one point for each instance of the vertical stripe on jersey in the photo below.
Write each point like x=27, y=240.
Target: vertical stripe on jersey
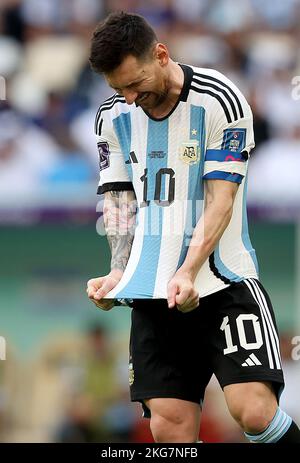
x=143, y=280
x=196, y=187
x=222, y=269
x=137, y=172
x=122, y=126
x=245, y=232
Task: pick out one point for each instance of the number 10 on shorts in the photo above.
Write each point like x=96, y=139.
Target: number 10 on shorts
x=241, y=333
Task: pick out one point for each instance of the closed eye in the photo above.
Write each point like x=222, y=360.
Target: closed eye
x=130, y=86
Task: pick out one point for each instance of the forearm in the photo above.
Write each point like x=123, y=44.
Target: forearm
x=206, y=236
x=219, y=200
x=119, y=219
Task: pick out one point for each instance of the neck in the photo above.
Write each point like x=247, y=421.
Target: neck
x=175, y=81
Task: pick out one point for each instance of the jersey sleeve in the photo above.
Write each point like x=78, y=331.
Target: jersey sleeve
x=229, y=144
x=113, y=172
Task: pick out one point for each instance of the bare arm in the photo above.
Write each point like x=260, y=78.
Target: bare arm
x=207, y=233
x=119, y=219
x=119, y=212
x=210, y=228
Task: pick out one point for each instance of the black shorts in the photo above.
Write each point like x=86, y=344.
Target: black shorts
x=232, y=334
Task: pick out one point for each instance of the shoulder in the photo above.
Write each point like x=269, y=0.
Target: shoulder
x=219, y=93
x=107, y=110
x=207, y=75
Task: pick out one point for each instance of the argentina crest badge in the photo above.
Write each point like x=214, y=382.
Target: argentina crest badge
x=190, y=152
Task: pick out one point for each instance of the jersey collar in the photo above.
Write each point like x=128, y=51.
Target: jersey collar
x=188, y=76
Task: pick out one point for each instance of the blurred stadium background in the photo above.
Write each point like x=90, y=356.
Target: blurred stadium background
x=65, y=376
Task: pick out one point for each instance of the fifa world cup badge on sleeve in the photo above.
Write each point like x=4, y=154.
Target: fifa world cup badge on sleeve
x=190, y=152
x=103, y=149
x=234, y=139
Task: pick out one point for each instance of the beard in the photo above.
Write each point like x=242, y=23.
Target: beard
x=151, y=100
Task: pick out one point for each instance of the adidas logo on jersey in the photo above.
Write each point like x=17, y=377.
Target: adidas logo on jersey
x=251, y=361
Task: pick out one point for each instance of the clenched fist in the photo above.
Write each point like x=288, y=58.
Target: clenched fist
x=97, y=288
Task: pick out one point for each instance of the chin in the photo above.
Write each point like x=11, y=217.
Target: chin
x=146, y=106
x=152, y=102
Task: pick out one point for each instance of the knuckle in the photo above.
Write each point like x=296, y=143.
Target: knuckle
x=188, y=288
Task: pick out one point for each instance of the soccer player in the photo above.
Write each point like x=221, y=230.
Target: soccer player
x=174, y=142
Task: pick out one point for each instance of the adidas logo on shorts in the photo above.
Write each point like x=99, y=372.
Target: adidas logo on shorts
x=251, y=361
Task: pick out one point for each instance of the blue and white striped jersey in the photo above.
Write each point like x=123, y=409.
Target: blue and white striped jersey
x=207, y=135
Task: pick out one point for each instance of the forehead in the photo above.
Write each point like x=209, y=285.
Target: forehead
x=130, y=70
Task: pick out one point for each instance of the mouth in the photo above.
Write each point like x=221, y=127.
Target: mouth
x=143, y=98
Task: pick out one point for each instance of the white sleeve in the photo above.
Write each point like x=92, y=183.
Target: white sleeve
x=228, y=144
x=113, y=171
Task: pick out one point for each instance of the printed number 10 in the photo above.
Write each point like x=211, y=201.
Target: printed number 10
x=160, y=175
x=241, y=333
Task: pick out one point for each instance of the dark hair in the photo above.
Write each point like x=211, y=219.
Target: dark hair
x=120, y=35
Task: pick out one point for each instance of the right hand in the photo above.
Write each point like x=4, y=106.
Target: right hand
x=182, y=293
x=97, y=288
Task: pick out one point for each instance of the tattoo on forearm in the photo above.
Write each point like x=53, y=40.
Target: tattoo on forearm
x=119, y=218
x=116, y=194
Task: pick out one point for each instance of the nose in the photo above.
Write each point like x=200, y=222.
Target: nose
x=129, y=95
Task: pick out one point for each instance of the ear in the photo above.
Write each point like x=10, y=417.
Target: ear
x=161, y=53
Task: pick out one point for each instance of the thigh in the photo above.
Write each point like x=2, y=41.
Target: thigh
x=246, y=344
x=165, y=353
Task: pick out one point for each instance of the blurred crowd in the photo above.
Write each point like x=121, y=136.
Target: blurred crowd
x=76, y=390
x=50, y=96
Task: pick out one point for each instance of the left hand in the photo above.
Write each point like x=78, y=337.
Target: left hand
x=182, y=293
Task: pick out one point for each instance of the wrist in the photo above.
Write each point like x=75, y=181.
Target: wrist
x=187, y=272
x=116, y=274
